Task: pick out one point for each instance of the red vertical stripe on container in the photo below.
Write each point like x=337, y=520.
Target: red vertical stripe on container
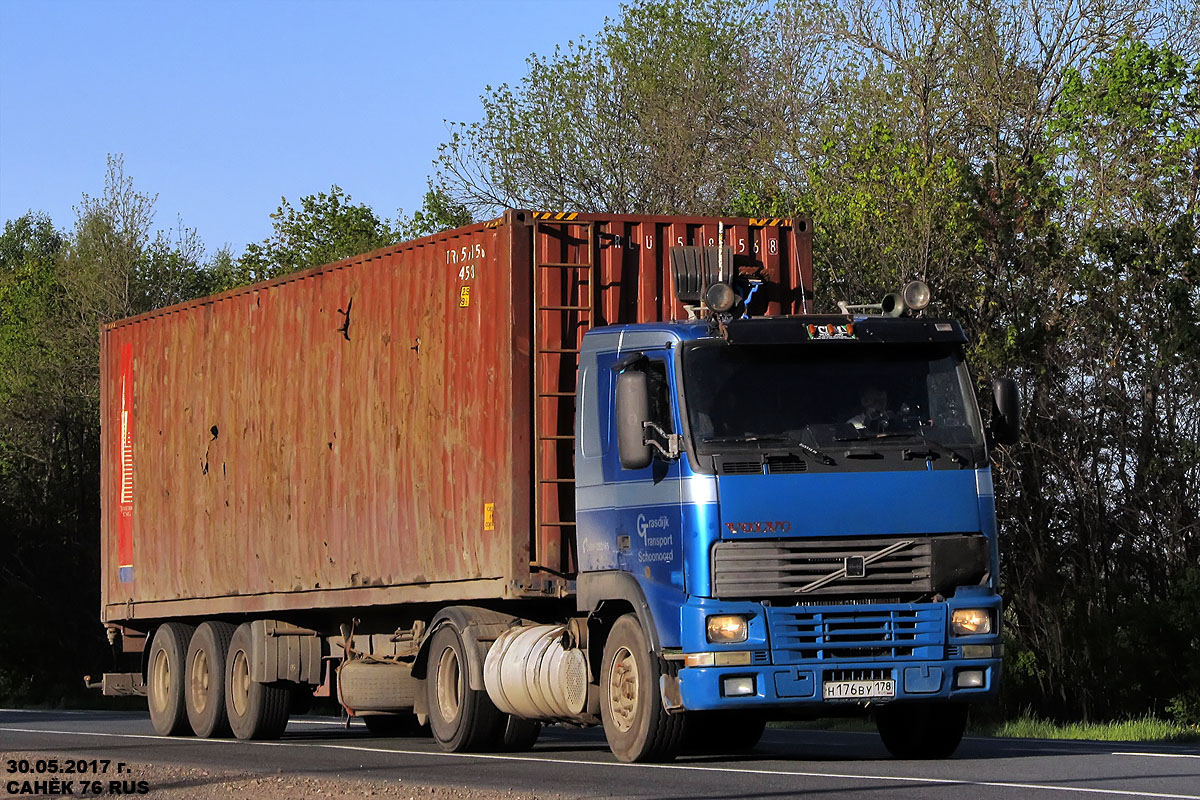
x=125, y=506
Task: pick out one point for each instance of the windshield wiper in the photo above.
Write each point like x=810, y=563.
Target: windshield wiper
x=744, y=439
x=769, y=440
x=935, y=449
x=872, y=437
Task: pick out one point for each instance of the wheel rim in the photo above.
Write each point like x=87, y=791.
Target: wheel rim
x=449, y=685
x=201, y=680
x=160, y=680
x=623, y=689
x=239, y=682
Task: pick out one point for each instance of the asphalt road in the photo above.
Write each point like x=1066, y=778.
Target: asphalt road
x=573, y=763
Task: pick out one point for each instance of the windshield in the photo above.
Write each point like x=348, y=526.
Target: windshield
x=753, y=395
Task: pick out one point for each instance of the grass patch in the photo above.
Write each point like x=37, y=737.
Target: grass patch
x=1141, y=729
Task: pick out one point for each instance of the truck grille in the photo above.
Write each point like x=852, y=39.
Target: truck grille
x=770, y=568
x=881, y=634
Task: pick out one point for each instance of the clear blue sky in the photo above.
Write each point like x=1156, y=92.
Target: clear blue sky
x=223, y=107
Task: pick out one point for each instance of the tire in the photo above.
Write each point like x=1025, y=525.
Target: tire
x=256, y=710
x=520, y=735
x=921, y=730
x=461, y=719
x=711, y=732
x=403, y=724
x=636, y=725
x=165, y=679
x=204, y=679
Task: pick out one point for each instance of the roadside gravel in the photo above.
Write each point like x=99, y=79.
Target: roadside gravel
x=171, y=781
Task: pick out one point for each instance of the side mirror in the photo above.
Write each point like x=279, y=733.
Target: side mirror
x=633, y=410
x=1006, y=411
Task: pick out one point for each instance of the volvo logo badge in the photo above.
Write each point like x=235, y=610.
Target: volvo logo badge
x=854, y=567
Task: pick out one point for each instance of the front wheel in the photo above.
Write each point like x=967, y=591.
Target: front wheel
x=921, y=730
x=636, y=725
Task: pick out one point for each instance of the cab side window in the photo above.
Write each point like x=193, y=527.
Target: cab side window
x=660, y=396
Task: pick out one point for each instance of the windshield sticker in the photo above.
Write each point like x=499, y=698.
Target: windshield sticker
x=831, y=331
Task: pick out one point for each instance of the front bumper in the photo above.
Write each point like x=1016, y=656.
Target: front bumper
x=700, y=688
x=795, y=650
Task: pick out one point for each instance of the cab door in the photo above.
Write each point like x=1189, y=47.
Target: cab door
x=631, y=520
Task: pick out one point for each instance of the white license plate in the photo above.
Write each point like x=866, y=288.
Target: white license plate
x=858, y=690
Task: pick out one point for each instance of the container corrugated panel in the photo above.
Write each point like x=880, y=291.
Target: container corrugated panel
x=366, y=433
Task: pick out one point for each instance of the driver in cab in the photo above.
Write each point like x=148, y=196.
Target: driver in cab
x=873, y=400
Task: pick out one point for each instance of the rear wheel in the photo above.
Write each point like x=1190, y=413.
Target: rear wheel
x=256, y=710
x=461, y=719
x=205, y=679
x=165, y=679
x=519, y=734
x=921, y=730
x=636, y=725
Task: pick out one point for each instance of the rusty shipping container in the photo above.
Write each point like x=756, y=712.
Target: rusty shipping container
x=395, y=427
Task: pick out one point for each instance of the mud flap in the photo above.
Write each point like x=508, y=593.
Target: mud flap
x=668, y=690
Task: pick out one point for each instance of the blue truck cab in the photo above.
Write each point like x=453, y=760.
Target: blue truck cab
x=801, y=509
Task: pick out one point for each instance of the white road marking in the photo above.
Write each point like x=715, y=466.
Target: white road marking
x=1161, y=755
x=672, y=767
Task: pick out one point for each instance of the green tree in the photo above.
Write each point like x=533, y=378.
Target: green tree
x=647, y=117
x=326, y=227
x=1118, y=428
x=29, y=249
x=56, y=289
x=47, y=447
x=439, y=212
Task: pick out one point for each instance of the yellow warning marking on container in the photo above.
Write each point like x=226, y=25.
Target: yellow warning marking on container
x=464, y=297
x=563, y=216
x=489, y=516
x=770, y=222
x=495, y=223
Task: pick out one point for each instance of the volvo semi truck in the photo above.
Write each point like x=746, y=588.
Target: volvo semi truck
x=553, y=468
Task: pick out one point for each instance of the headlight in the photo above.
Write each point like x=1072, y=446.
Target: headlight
x=968, y=621
x=726, y=628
